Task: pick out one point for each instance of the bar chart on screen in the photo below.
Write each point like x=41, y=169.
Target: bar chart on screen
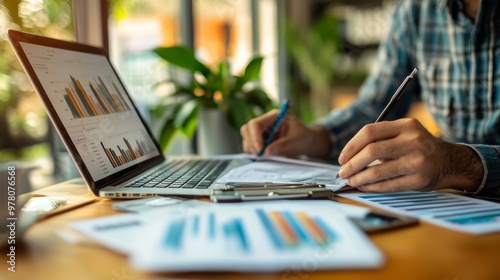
x=126, y=151
x=80, y=87
x=101, y=101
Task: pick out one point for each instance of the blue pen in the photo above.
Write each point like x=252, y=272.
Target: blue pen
x=275, y=126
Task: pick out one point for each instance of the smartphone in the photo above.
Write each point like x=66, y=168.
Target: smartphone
x=376, y=221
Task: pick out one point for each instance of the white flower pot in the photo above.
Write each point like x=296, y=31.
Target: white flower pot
x=215, y=135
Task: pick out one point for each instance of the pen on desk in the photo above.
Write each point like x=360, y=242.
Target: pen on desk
x=395, y=97
x=274, y=128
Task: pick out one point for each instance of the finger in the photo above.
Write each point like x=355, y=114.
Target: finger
x=392, y=185
x=245, y=136
x=247, y=148
x=381, y=172
x=257, y=128
x=398, y=184
x=370, y=153
x=368, y=134
x=248, y=145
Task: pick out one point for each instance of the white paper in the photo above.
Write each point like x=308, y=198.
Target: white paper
x=285, y=172
x=125, y=233
x=207, y=242
x=448, y=210
x=297, y=161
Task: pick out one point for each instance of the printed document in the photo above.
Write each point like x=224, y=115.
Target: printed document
x=285, y=170
x=253, y=236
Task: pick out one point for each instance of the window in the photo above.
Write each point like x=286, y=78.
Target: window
x=222, y=29
x=23, y=120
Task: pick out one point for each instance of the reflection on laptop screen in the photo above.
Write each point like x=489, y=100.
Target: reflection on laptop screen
x=93, y=107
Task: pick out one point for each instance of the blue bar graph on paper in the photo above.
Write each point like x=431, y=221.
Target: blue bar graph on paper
x=450, y=210
x=399, y=196
x=234, y=230
x=241, y=234
x=475, y=218
x=287, y=230
x=270, y=229
x=325, y=228
x=394, y=195
x=299, y=230
x=211, y=225
x=196, y=224
x=175, y=232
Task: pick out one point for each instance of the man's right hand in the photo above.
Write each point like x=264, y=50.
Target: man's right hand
x=293, y=138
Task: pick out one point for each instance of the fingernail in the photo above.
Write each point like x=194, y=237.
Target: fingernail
x=341, y=173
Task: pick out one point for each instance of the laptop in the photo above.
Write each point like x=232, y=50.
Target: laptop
x=111, y=145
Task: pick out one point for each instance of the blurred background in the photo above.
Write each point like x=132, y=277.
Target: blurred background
x=316, y=52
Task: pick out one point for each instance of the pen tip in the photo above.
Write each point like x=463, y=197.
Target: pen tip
x=415, y=70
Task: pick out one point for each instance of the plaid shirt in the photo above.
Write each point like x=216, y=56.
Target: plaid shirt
x=458, y=79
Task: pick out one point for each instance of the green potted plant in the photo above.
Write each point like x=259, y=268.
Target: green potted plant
x=209, y=92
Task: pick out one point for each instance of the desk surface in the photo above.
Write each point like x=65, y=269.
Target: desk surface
x=418, y=252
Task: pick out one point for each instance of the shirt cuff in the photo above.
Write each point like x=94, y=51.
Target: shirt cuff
x=490, y=157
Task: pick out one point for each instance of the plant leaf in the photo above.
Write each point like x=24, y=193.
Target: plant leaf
x=258, y=97
x=167, y=134
x=238, y=84
x=252, y=71
x=239, y=112
x=184, y=117
x=189, y=127
x=184, y=58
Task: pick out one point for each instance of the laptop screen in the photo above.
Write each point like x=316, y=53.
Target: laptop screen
x=90, y=103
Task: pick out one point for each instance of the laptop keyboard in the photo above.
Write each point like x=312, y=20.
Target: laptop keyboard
x=197, y=174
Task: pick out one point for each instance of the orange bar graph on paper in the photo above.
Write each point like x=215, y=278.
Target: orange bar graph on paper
x=283, y=227
x=310, y=225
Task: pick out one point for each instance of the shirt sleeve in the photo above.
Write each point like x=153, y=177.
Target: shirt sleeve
x=490, y=156
x=392, y=65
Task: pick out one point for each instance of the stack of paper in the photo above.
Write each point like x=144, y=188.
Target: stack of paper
x=285, y=170
x=260, y=236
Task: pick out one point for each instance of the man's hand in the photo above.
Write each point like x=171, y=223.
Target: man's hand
x=410, y=159
x=293, y=138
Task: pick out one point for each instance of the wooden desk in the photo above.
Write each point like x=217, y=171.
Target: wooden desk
x=419, y=252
